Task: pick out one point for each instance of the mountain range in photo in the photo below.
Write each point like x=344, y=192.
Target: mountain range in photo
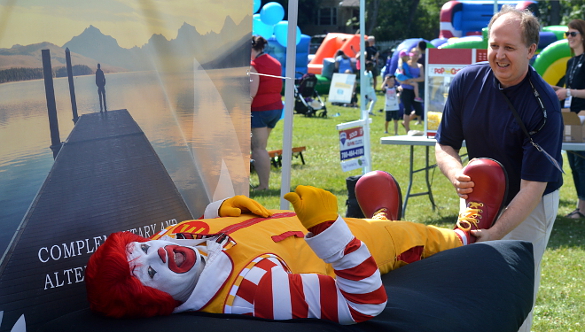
x=211, y=50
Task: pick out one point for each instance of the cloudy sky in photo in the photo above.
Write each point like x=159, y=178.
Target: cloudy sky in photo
x=130, y=22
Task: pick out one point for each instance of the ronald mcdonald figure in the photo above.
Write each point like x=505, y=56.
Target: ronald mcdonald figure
x=311, y=263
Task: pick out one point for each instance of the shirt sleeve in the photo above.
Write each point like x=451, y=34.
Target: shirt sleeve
x=355, y=295
x=212, y=209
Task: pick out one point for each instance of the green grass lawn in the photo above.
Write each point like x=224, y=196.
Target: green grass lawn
x=560, y=303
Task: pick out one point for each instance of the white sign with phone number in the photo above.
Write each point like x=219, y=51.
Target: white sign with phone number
x=351, y=148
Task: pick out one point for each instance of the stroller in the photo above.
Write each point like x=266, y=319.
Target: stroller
x=307, y=100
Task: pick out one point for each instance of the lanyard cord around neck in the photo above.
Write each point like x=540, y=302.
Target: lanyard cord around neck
x=523, y=127
x=576, y=64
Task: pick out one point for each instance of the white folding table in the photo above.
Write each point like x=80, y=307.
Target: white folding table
x=427, y=142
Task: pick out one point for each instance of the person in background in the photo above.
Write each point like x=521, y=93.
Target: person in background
x=369, y=91
x=392, y=103
x=403, y=73
x=573, y=95
x=422, y=47
x=372, y=55
x=100, y=81
x=408, y=96
x=479, y=110
x=343, y=64
x=266, y=106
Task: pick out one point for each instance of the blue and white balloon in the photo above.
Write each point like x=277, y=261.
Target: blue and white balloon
x=281, y=33
x=272, y=13
x=261, y=29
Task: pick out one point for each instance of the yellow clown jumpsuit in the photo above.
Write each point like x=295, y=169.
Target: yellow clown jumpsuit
x=391, y=243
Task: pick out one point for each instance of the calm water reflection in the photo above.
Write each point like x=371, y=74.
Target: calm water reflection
x=183, y=116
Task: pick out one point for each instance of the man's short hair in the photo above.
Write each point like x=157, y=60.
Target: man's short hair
x=529, y=26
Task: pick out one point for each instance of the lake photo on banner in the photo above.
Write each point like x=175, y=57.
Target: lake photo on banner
x=180, y=114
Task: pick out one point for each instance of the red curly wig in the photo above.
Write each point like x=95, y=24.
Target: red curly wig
x=113, y=291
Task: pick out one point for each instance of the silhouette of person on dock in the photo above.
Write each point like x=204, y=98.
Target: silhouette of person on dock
x=100, y=81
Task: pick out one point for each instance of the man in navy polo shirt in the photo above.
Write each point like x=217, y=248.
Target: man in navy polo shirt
x=478, y=112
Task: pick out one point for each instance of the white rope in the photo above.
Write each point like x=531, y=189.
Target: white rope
x=251, y=73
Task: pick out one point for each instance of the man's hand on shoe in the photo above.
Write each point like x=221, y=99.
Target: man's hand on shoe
x=483, y=235
x=463, y=184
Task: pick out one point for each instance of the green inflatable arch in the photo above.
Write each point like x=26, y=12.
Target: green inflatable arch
x=551, y=63
x=558, y=30
x=465, y=43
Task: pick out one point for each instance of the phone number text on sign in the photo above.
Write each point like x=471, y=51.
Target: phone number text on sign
x=352, y=153
x=351, y=143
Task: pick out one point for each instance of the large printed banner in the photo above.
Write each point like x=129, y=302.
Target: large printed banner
x=441, y=67
x=114, y=115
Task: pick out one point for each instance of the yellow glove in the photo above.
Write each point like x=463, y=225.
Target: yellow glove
x=234, y=206
x=313, y=205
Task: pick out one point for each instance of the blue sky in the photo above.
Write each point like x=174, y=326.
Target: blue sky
x=130, y=22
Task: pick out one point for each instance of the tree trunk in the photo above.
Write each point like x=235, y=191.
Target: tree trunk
x=555, y=13
x=411, y=13
x=372, y=15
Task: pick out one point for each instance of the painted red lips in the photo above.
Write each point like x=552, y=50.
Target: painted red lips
x=181, y=259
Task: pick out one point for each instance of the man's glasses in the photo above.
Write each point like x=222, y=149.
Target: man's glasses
x=571, y=33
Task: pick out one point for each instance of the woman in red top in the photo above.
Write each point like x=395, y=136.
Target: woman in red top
x=266, y=106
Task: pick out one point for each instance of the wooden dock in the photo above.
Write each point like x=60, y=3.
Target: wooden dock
x=106, y=178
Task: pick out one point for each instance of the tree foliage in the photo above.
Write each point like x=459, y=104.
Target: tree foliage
x=20, y=74
x=401, y=19
x=385, y=19
x=77, y=70
x=307, y=10
x=555, y=12
x=25, y=74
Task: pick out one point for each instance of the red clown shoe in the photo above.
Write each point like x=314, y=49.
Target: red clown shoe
x=485, y=204
x=378, y=195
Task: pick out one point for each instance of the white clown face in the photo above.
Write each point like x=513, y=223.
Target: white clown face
x=166, y=266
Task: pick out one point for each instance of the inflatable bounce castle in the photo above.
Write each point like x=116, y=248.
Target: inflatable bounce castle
x=468, y=18
x=464, y=25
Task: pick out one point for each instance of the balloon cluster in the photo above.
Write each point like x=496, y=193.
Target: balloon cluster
x=269, y=22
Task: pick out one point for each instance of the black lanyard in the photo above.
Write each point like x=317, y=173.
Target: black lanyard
x=576, y=65
x=523, y=127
